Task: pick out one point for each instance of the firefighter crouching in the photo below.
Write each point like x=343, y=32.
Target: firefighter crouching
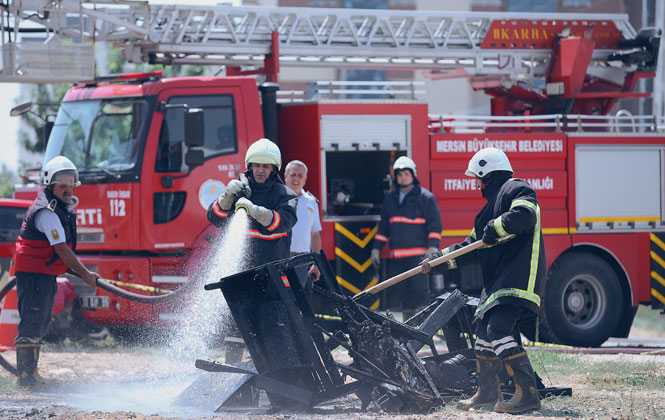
x=514, y=272
x=44, y=249
x=271, y=205
x=411, y=225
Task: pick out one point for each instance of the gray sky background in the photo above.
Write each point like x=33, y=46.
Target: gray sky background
x=8, y=126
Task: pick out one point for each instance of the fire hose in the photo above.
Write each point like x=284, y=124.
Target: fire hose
x=111, y=286
x=166, y=295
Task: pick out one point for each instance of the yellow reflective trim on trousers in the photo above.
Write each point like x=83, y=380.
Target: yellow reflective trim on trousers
x=518, y=293
x=535, y=246
x=473, y=233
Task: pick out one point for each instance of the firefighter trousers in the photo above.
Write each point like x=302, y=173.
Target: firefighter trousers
x=36, y=292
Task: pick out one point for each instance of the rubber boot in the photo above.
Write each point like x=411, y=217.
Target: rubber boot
x=526, y=395
x=27, y=355
x=35, y=373
x=489, y=387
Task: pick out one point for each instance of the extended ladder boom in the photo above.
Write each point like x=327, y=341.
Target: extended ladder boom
x=481, y=43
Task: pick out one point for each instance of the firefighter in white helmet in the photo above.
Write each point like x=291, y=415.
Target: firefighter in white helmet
x=514, y=272
x=271, y=204
x=44, y=250
x=411, y=226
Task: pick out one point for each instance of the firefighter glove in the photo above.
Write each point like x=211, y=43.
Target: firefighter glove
x=433, y=252
x=225, y=201
x=376, y=258
x=489, y=234
x=259, y=213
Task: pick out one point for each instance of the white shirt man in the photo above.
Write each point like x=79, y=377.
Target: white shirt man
x=306, y=234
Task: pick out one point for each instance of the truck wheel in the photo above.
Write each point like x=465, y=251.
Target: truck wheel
x=582, y=305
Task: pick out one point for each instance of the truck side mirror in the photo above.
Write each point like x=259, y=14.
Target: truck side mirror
x=194, y=127
x=194, y=158
x=21, y=109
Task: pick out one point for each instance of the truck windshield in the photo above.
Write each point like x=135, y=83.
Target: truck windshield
x=99, y=135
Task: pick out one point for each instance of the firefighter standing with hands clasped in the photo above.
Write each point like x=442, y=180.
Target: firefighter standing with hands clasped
x=44, y=250
x=514, y=272
x=411, y=224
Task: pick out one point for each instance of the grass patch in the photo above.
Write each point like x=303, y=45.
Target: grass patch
x=613, y=375
x=556, y=362
x=607, y=388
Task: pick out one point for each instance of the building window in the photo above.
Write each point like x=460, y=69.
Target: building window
x=576, y=3
x=322, y=3
x=495, y=3
x=365, y=4
x=530, y=6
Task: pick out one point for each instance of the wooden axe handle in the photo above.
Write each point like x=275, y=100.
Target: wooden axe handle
x=412, y=272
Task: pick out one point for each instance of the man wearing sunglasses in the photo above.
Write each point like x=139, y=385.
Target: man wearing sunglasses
x=44, y=250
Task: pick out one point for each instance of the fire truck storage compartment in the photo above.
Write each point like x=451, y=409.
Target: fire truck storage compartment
x=619, y=186
x=357, y=181
x=358, y=152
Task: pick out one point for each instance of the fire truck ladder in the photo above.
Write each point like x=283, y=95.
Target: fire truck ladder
x=481, y=43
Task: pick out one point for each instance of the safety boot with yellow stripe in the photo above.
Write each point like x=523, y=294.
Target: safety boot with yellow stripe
x=489, y=387
x=27, y=356
x=526, y=395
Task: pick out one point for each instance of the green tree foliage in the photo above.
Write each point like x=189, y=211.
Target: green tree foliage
x=117, y=64
x=32, y=139
x=6, y=183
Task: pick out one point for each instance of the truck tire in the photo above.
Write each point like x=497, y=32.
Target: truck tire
x=582, y=304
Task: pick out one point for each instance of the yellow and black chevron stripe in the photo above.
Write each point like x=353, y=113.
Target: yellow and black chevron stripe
x=657, y=270
x=353, y=246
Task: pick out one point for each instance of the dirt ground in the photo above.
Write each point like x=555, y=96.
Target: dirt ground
x=121, y=382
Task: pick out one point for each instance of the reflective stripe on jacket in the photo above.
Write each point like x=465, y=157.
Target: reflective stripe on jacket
x=514, y=270
x=409, y=227
x=265, y=243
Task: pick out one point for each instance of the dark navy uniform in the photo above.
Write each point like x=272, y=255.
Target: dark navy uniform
x=514, y=270
x=409, y=228
x=266, y=243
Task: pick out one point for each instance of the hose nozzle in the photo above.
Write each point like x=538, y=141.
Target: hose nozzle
x=241, y=206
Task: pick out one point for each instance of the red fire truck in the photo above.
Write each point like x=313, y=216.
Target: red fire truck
x=147, y=179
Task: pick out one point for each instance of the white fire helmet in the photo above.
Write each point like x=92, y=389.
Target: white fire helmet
x=60, y=164
x=264, y=151
x=486, y=161
x=404, y=162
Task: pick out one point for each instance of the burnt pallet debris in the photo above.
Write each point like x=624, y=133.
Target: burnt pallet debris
x=292, y=349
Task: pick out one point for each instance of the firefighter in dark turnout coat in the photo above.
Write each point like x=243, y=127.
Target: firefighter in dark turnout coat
x=44, y=249
x=411, y=225
x=272, y=209
x=514, y=272
x=271, y=205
